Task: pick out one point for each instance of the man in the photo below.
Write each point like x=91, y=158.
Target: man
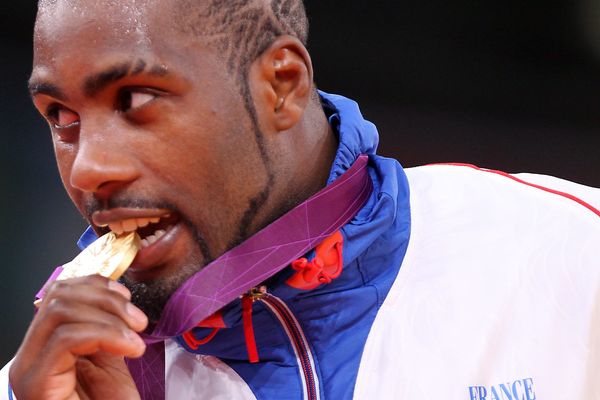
x=196, y=123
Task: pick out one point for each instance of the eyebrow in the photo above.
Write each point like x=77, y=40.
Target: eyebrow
x=97, y=82
x=49, y=89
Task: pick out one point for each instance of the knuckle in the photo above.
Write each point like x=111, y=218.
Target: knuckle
x=57, y=287
x=63, y=337
x=117, y=301
x=63, y=333
x=95, y=280
x=110, y=326
x=114, y=303
x=57, y=308
x=112, y=332
x=68, y=337
x=60, y=285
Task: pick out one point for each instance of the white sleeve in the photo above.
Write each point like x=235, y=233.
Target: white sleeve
x=5, y=391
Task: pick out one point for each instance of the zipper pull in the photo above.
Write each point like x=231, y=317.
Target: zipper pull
x=248, y=300
x=257, y=293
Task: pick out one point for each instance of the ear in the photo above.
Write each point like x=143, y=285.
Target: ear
x=282, y=82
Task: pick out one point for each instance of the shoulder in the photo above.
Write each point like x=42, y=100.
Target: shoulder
x=501, y=271
x=491, y=215
x=456, y=186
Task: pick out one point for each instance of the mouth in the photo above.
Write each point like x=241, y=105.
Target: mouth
x=158, y=229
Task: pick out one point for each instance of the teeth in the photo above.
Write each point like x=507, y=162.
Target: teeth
x=153, y=238
x=130, y=225
x=116, y=227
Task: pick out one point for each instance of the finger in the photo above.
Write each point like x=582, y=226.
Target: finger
x=92, y=280
x=84, y=339
x=102, y=294
x=70, y=341
x=62, y=312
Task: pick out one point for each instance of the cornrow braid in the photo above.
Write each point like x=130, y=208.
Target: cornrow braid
x=241, y=30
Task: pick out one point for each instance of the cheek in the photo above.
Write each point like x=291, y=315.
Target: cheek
x=212, y=171
x=199, y=146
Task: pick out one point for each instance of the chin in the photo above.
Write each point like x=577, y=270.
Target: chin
x=152, y=295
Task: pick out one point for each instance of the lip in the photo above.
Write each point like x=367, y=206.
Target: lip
x=104, y=217
x=148, y=261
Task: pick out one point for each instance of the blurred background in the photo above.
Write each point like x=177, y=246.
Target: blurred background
x=509, y=84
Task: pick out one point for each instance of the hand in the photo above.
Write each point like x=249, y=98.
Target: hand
x=76, y=344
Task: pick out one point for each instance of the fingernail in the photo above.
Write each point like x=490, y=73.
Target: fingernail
x=136, y=314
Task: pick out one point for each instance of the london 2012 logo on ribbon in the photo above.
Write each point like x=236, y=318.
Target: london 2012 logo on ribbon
x=521, y=389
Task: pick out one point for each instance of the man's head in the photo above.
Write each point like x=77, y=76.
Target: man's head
x=200, y=114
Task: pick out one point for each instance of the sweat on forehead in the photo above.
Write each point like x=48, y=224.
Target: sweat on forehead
x=60, y=19
x=239, y=29
x=94, y=8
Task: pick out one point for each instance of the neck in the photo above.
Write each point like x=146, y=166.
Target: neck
x=320, y=154
x=303, y=164
x=317, y=145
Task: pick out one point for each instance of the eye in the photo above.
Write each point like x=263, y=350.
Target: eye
x=132, y=99
x=61, y=117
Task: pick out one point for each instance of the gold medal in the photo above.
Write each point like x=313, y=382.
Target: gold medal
x=109, y=256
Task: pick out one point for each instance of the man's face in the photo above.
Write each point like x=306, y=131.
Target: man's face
x=150, y=134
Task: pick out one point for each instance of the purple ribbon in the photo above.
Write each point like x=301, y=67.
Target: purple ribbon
x=247, y=265
x=42, y=292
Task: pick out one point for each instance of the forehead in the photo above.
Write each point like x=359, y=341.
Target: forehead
x=115, y=18
x=76, y=37
x=74, y=27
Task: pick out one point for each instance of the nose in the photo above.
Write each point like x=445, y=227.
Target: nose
x=101, y=167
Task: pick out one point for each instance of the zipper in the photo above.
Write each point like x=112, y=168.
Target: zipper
x=304, y=356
